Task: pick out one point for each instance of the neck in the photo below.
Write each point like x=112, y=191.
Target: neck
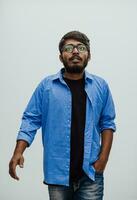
x=73, y=76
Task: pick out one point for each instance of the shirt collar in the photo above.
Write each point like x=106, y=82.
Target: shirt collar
x=59, y=75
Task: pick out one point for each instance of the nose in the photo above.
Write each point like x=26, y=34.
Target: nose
x=75, y=50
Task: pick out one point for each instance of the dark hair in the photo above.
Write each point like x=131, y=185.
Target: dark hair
x=76, y=35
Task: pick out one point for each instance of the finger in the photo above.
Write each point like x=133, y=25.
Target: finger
x=13, y=174
x=97, y=166
x=12, y=171
x=21, y=162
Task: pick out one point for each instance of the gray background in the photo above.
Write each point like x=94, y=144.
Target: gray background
x=29, y=34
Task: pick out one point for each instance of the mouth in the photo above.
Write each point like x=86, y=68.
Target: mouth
x=75, y=59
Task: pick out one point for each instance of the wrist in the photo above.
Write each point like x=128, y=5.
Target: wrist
x=17, y=153
x=103, y=158
x=20, y=147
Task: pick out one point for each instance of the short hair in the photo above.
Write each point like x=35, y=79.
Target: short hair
x=76, y=35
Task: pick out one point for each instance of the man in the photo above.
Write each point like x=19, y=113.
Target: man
x=76, y=112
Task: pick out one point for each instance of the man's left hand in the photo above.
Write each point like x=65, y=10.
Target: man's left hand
x=100, y=165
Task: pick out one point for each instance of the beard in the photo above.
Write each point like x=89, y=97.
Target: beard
x=75, y=68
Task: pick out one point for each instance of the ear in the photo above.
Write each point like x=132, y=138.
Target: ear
x=60, y=57
x=89, y=57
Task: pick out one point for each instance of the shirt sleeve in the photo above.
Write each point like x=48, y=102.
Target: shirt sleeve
x=32, y=117
x=108, y=112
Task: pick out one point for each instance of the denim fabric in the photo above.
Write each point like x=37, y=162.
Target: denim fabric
x=50, y=109
x=84, y=189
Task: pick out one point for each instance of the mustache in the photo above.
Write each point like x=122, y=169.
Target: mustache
x=75, y=57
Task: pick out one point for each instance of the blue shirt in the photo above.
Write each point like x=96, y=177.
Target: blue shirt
x=50, y=108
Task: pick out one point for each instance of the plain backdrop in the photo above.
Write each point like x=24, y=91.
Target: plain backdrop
x=30, y=31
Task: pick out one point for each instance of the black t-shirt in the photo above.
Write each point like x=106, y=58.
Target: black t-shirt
x=77, y=127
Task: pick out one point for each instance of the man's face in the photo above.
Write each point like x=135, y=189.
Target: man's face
x=74, y=56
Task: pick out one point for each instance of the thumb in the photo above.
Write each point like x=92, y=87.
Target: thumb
x=21, y=162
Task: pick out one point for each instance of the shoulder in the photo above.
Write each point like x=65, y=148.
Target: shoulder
x=97, y=80
x=46, y=81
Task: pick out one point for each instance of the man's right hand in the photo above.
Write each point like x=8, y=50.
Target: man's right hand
x=17, y=159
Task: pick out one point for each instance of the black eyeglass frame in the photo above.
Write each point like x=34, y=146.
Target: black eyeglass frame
x=74, y=46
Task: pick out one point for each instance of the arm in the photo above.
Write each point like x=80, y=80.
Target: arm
x=31, y=122
x=17, y=158
x=106, y=143
x=107, y=129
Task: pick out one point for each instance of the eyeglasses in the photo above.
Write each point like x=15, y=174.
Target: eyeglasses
x=69, y=48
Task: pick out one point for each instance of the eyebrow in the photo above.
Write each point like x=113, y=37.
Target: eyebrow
x=73, y=44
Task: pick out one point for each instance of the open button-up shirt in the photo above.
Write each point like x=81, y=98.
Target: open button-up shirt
x=50, y=108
